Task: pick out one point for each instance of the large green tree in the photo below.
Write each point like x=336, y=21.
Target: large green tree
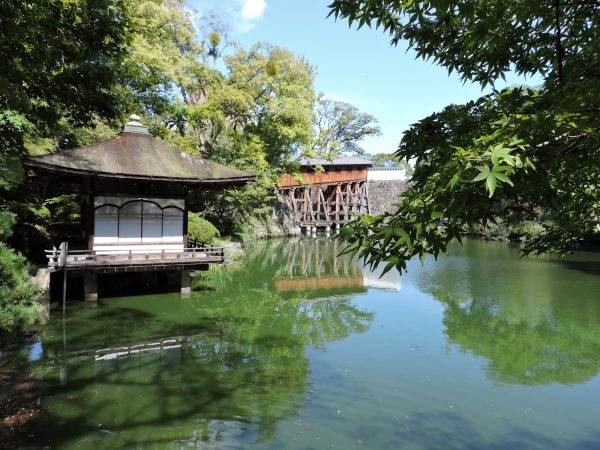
x=61, y=69
x=71, y=71
x=339, y=126
x=281, y=86
x=257, y=117
x=162, y=66
x=510, y=154
x=60, y=60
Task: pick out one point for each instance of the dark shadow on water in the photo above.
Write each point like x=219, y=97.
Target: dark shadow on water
x=587, y=267
x=138, y=283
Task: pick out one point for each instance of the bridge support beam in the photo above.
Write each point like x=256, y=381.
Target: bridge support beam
x=323, y=205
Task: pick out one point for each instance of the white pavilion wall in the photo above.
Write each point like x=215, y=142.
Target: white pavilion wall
x=138, y=224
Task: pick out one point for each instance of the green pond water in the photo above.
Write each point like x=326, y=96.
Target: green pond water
x=302, y=349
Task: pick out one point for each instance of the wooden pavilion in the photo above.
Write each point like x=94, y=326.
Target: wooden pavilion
x=134, y=204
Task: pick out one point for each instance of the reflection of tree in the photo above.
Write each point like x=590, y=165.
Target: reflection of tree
x=524, y=353
x=535, y=322
x=241, y=369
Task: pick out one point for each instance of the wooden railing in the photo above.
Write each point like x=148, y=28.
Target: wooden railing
x=59, y=259
x=288, y=181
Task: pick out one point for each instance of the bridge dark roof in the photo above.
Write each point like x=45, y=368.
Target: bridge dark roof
x=135, y=155
x=385, y=168
x=344, y=161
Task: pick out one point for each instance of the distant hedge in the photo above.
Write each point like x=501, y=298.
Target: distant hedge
x=200, y=230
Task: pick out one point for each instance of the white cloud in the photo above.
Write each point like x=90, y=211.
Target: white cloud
x=243, y=14
x=253, y=10
x=249, y=13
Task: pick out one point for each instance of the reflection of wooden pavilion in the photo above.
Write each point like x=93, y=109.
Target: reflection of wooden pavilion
x=329, y=192
x=134, y=203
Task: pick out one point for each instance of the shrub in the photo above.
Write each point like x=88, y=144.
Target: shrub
x=528, y=229
x=200, y=230
x=18, y=305
x=217, y=277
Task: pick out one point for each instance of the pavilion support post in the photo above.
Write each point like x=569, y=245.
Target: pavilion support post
x=186, y=208
x=311, y=198
x=186, y=282
x=295, y=209
x=331, y=216
x=90, y=287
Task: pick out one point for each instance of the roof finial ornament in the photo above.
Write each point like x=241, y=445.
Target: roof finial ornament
x=135, y=126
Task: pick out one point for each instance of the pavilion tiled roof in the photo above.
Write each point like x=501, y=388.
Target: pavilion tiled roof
x=136, y=155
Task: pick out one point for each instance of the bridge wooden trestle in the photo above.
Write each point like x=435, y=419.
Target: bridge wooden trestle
x=326, y=205
x=326, y=193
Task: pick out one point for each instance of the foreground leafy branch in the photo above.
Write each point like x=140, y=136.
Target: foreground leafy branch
x=519, y=154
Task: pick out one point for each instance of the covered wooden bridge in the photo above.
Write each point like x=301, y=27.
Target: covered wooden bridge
x=327, y=193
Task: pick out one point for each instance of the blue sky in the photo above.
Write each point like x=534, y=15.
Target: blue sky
x=357, y=66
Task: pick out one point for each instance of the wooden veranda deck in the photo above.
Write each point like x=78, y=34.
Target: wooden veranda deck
x=132, y=260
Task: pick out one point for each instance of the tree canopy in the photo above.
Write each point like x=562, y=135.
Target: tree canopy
x=59, y=60
x=519, y=153
x=339, y=127
x=483, y=40
x=281, y=86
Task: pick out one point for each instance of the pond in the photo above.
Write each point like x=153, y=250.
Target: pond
x=299, y=348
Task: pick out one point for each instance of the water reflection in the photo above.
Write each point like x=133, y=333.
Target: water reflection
x=223, y=364
x=296, y=349
x=313, y=267
x=535, y=322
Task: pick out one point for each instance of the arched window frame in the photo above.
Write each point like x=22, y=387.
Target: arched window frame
x=142, y=201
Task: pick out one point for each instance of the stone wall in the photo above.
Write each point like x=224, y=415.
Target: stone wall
x=278, y=223
x=384, y=195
